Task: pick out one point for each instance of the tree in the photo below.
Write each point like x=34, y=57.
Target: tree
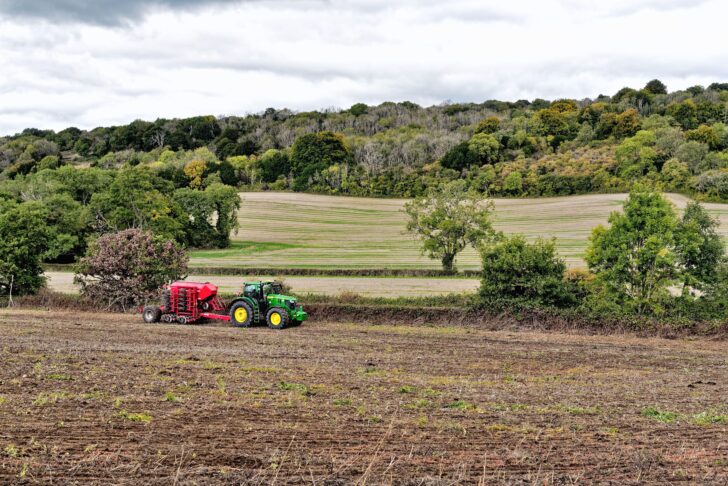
x=315, y=152
x=635, y=258
x=211, y=214
x=518, y=272
x=656, y=87
x=358, y=109
x=226, y=202
x=127, y=269
x=447, y=219
x=24, y=238
x=700, y=248
x=273, y=164
x=194, y=171
x=134, y=200
x=459, y=157
x=488, y=125
x=485, y=147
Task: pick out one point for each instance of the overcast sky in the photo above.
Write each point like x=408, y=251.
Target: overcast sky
x=89, y=63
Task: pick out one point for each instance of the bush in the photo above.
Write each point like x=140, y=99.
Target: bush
x=24, y=238
x=126, y=269
x=518, y=273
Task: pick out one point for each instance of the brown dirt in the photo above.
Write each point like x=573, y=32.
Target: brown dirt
x=339, y=403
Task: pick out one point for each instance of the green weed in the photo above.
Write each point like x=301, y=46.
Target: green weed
x=60, y=377
x=48, y=398
x=11, y=450
x=708, y=418
x=460, y=405
x=664, y=417
x=144, y=418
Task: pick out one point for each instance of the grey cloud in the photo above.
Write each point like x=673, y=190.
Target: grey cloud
x=98, y=12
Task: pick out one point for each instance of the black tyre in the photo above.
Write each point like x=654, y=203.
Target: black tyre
x=277, y=318
x=166, y=301
x=151, y=314
x=241, y=315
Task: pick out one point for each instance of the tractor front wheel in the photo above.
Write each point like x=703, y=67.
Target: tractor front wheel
x=151, y=314
x=241, y=315
x=277, y=318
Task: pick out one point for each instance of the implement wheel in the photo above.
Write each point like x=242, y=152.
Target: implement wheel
x=277, y=318
x=151, y=314
x=241, y=315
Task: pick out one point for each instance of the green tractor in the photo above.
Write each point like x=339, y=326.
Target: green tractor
x=264, y=300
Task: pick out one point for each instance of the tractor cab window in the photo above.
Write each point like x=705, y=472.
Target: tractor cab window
x=251, y=290
x=267, y=289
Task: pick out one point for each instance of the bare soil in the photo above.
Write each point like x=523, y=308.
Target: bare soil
x=104, y=398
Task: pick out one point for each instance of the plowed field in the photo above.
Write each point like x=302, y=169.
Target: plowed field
x=104, y=398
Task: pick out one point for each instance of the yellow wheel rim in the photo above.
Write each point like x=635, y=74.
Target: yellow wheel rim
x=241, y=315
x=275, y=319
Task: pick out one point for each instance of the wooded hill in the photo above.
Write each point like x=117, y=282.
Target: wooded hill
x=674, y=141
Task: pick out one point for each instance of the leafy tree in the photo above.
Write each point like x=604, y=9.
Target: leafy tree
x=700, y=248
x=522, y=273
x=24, y=238
x=635, y=258
x=68, y=222
x=626, y=123
x=134, y=200
x=273, y=164
x=675, y=173
x=693, y=154
x=685, y=113
x=127, y=269
x=226, y=202
x=358, y=109
x=459, y=157
x=488, y=125
x=486, y=147
x=194, y=171
x=656, y=87
x=315, y=152
x=636, y=155
x=513, y=183
x=448, y=218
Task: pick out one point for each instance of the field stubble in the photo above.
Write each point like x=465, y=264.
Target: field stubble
x=310, y=231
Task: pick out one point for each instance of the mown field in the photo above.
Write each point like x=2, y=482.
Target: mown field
x=289, y=230
x=104, y=398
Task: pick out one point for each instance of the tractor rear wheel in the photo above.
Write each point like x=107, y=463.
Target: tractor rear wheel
x=277, y=318
x=151, y=314
x=241, y=315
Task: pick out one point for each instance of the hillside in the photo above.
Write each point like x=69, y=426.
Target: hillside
x=677, y=141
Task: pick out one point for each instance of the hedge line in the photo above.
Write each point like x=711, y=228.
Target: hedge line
x=305, y=272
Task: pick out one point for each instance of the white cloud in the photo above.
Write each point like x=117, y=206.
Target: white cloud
x=166, y=60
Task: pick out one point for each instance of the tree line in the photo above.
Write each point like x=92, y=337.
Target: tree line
x=673, y=141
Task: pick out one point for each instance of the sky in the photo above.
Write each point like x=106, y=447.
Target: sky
x=108, y=62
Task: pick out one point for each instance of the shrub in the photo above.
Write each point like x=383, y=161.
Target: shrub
x=126, y=269
x=519, y=273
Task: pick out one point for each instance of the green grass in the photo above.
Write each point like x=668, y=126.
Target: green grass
x=291, y=230
x=660, y=416
x=242, y=248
